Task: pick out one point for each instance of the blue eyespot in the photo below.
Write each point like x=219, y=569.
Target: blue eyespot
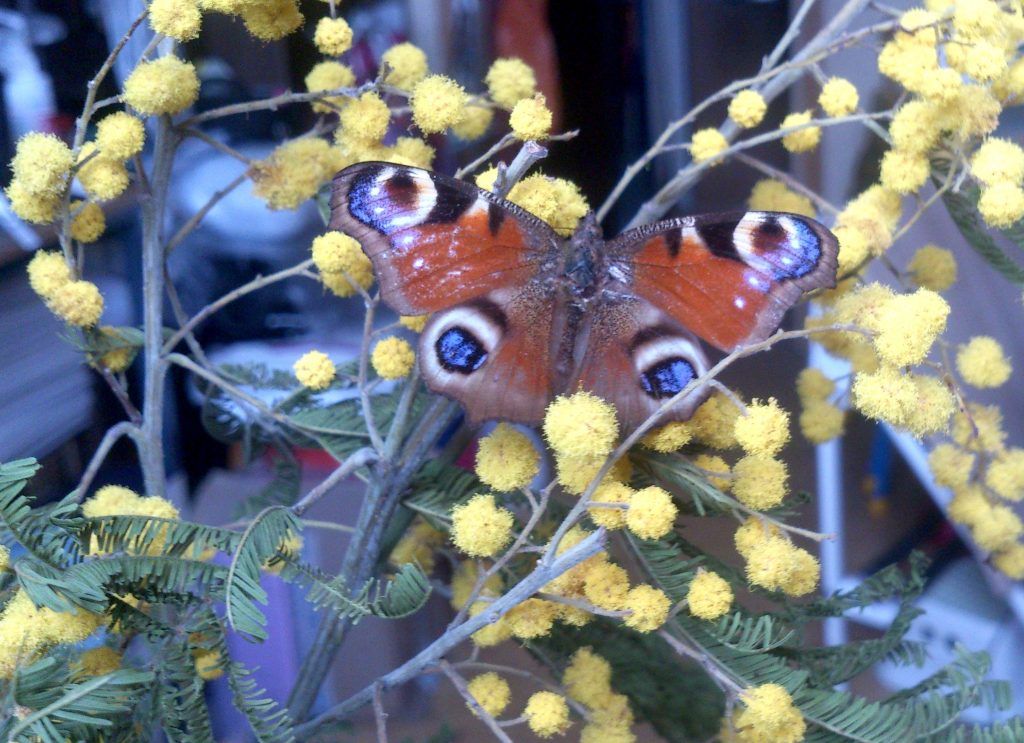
x=458, y=350
x=667, y=378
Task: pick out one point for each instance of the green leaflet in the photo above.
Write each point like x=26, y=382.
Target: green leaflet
x=963, y=208
x=259, y=542
x=66, y=708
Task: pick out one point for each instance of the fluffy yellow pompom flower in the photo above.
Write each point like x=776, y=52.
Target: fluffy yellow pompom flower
x=506, y=459
x=751, y=534
x=714, y=422
x=333, y=36
x=418, y=545
x=103, y=178
x=415, y=323
x=89, y=223
x=547, y=714
x=314, y=370
x=475, y=123
x=707, y=144
x=768, y=714
x=770, y=195
x=984, y=61
x=294, y=171
x=709, y=596
x=651, y=513
x=934, y=406
x=803, y=140
x=587, y=677
x=982, y=362
x=821, y=422
x=606, y=585
x=1005, y=475
x=115, y=500
x=581, y=425
x=365, y=119
x=490, y=691
x=1010, y=561
x=575, y=473
x=96, y=662
x=416, y=150
x=908, y=325
x=904, y=171
x=915, y=127
x=747, y=108
x=438, y=102
x=716, y=470
x=668, y=438
x=178, y=19
x=999, y=529
x=48, y=273
x=988, y=420
x=998, y=161
x=813, y=386
x=41, y=164
x=26, y=629
x=933, y=268
x=770, y=564
x=805, y=572
x=649, y=607
x=760, y=481
x=480, y=527
x=120, y=136
x=1002, y=204
x=610, y=492
x=885, y=395
x=509, y=80
x=950, y=465
x=393, y=358
x=555, y=200
x=407, y=65
x=531, y=118
x=164, y=86
x=532, y=619
x=78, y=303
x=270, y=20
x=207, y=663
x=34, y=208
x=333, y=252
x=340, y=258
x=838, y=97
x=764, y=429
x=5, y=558
x=329, y=75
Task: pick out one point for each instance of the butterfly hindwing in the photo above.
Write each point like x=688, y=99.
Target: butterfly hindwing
x=436, y=241
x=496, y=354
x=729, y=278
x=637, y=357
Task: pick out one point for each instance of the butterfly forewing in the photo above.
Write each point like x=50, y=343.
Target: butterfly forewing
x=436, y=241
x=480, y=265
x=729, y=278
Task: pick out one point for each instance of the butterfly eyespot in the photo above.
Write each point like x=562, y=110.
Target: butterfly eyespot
x=458, y=350
x=667, y=378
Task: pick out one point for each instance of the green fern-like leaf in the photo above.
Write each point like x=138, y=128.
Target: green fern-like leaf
x=260, y=541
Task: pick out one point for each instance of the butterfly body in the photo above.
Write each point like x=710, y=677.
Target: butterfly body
x=520, y=315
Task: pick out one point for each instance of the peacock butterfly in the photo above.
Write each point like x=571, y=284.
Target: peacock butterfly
x=520, y=315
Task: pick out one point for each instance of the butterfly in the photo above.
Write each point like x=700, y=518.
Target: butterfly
x=519, y=315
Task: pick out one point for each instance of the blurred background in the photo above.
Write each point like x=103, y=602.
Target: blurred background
x=618, y=71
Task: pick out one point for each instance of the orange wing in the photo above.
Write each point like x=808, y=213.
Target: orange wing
x=729, y=278
x=436, y=241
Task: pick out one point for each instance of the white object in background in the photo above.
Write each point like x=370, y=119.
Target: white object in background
x=28, y=90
